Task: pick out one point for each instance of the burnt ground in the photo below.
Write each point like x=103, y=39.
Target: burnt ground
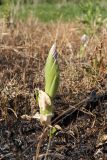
x=83, y=135
x=80, y=104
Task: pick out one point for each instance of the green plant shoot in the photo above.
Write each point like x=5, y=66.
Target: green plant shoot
x=52, y=73
x=51, y=86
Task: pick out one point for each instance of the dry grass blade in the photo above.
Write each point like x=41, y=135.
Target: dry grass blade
x=23, y=52
x=42, y=136
x=69, y=111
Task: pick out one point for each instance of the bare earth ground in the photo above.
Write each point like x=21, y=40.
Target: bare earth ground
x=83, y=90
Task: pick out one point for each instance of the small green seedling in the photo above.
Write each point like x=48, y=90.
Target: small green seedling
x=53, y=130
x=44, y=99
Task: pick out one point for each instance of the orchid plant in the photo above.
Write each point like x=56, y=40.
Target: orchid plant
x=44, y=98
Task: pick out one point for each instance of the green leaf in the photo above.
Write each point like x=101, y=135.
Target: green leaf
x=52, y=131
x=52, y=73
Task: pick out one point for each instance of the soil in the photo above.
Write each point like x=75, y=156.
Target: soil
x=80, y=112
x=80, y=137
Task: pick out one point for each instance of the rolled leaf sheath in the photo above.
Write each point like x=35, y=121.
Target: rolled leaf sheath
x=46, y=108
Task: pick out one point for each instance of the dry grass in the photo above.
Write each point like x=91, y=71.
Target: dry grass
x=23, y=50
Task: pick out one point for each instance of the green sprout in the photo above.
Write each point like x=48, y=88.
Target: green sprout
x=51, y=86
x=54, y=130
x=52, y=73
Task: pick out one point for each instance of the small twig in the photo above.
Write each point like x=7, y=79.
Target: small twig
x=47, y=152
x=67, y=112
x=40, y=142
x=10, y=109
x=87, y=112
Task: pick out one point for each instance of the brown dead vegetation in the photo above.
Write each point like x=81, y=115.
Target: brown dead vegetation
x=23, y=51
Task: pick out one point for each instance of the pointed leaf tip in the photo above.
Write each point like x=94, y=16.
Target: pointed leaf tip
x=53, y=51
